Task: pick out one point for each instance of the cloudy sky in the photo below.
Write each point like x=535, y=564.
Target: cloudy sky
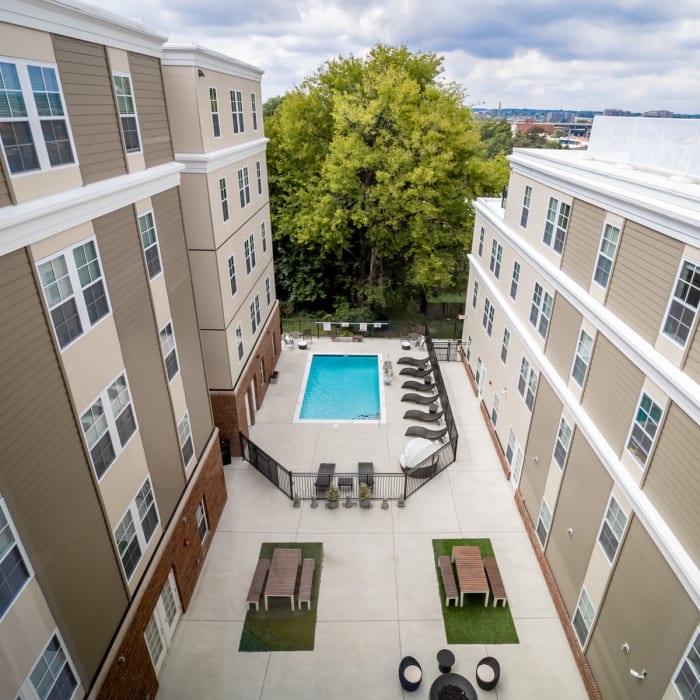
x=636, y=55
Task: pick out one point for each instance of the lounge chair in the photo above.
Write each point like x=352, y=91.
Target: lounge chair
x=415, y=372
x=423, y=415
x=424, y=472
x=365, y=471
x=418, y=386
x=325, y=475
x=419, y=398
x=420, y=431
x=415, y=361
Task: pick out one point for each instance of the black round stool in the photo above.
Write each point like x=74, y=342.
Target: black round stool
x=445, y=659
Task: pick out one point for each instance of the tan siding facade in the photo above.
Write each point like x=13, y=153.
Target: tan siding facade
x=87, y=88
x=47, y=481
x=122, y=257
x=582, y=242
x=563, y=336
x=644, y=274
x=672, y=478
x=150, y=106
x=540, y=441
x=692, y=360
x=648, y=608
x=171, y=234
x=568, y=556
x=612, y=411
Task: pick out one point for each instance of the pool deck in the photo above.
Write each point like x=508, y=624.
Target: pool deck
x=379, y=598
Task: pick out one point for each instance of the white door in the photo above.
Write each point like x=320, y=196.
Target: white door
x=161, y=627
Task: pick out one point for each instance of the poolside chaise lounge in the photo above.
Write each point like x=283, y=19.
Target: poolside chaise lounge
x=422, y=472
x=365, y=472
x=420, y=398
x=418, y=386
x=325, y=475
x=420, y=431
x=415, y=372
x=423, y=415
x=415, y=361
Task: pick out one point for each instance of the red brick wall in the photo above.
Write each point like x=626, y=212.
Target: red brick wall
x=135, y=677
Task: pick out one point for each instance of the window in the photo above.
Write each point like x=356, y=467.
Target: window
x=544, y=521
x=583, y=617
x=644, y=428
x=477, y=374
x=237, y=111
x=128, y=544
x=476, y=293
x=510, y=447
x=257, y=308
x=127, y=112
x=514, y=280
x=612, y=528
x=494, y=410
x=154, y=641
x=263, y=234
x=35, y=132
x=107, y=431
x=469, y=347
x=149, y=240
x=258, y=174
x=232, y=275
x=684, y=303
x=214, y=105
x=255, y=313
x=504, y=345
x=487, y=320
x=481, y=241
x=556, y=224
x=249, y=248
x=582, y=357
x=496, y=256
x=254, y=110
x=541, y=310
x=52, y=677
x=14, y=569
x=527, y=383
x=146, y=508
x=223, y=193
x=244, y=187
x=606, y=254
x=202, y=522
x=562, y=443
x=167, y=346
x=687, y=680
x=77, y=268
x=185, y=435
x=526, y=206
x=239, y=341
x=268, y=294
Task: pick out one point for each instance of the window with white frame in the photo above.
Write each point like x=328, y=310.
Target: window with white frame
x=556, y=225
x=469, y=347
x=214, y=106
x=481, y=241
x=149, y=241
x=169, y=350
x=249, y=249
x=526, y=206
x=477, y=373
x=154, y=639
x=223, y=194
x=253, y=322
x=244, y=187
x=128, y=544
x=34, y=128
x=257, y=308
x=239, y=341
x=510, y=446
x=687, y=678
x=237, y=111
x=606, y=255
x=527, y=383
x=612, y=528
x=202, y=521
x=268, y=293
x=108, y=424
x=496, y=257
x=683, y=306
x=514, y=280
x=504, y=345
x=263, y=235
x=494, y=409
x=475, y=294
x=232, y=275
x=184, y=433
x=254, y=110
x=258, y=175
x=582, y=358
x=136, y=528
x=644, y=428
x=146, y=509
x=487, y=320
x=544, y=521
x=53, y=677
x=517, y=464
x=14, y=566
x=562, y=443
x=77, y=268
x=583, y=617
x=127, y=112
x=541, y=309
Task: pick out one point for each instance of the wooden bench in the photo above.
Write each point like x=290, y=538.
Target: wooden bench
x=257, y=583
x=306, y=581
x=448, y=580
x=495, y=580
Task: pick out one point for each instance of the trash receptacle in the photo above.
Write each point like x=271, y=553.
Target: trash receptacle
x=225, y=451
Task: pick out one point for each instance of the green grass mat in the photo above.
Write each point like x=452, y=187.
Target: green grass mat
x=473, y=623
x=280, y=629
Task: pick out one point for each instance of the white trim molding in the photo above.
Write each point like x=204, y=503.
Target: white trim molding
x=194, y=55
x=204, y=163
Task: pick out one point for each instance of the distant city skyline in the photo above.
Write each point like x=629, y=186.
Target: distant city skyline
x=633, y=55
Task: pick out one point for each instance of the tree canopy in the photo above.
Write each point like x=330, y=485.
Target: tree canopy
x=373, y=163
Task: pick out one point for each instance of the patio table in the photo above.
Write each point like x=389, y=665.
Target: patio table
x=282, y=579
x=470, y=572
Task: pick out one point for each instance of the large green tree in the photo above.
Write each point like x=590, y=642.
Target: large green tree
x=373, y=164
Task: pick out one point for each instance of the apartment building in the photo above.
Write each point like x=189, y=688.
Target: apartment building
x=583, y=343
x=112, y=193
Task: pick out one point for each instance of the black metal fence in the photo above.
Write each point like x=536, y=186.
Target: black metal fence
x=312, y=328
x=448, y=350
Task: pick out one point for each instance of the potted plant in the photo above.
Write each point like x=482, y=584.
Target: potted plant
x=332, y=496
x=365, y=495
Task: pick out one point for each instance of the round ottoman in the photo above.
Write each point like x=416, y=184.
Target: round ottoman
x=410, y=673
x=488, y=672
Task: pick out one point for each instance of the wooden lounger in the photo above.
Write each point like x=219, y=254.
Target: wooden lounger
x=418, y=386
x=256, y=585
x=415, y=372
x=306, y=581
x=419, y=398
x=414, y=361
x=423, y=415
x=420, y=431
x=448, y=580
x=495, y=580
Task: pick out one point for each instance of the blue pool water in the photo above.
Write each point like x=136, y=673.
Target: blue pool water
x=342, y=387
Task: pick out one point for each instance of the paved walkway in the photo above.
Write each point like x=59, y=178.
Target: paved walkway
x=379, y=598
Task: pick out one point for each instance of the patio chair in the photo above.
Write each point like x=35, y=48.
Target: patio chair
x=420, y=398
x=324, y=476
x=422, y=472
x=418, y=386
x=365, y=471
x=420, y=431
x=414, y=361
x=415, y=372
x=426, y=417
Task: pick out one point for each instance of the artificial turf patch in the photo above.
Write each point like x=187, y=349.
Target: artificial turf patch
x=473, y=623
x=280, y=629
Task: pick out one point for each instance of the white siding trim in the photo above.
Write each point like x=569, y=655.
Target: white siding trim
x=205, y=163
x=175, y=54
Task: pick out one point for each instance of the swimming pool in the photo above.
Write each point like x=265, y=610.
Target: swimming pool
x=341, y=388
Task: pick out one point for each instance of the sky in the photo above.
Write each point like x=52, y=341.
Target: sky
x=635, y=55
